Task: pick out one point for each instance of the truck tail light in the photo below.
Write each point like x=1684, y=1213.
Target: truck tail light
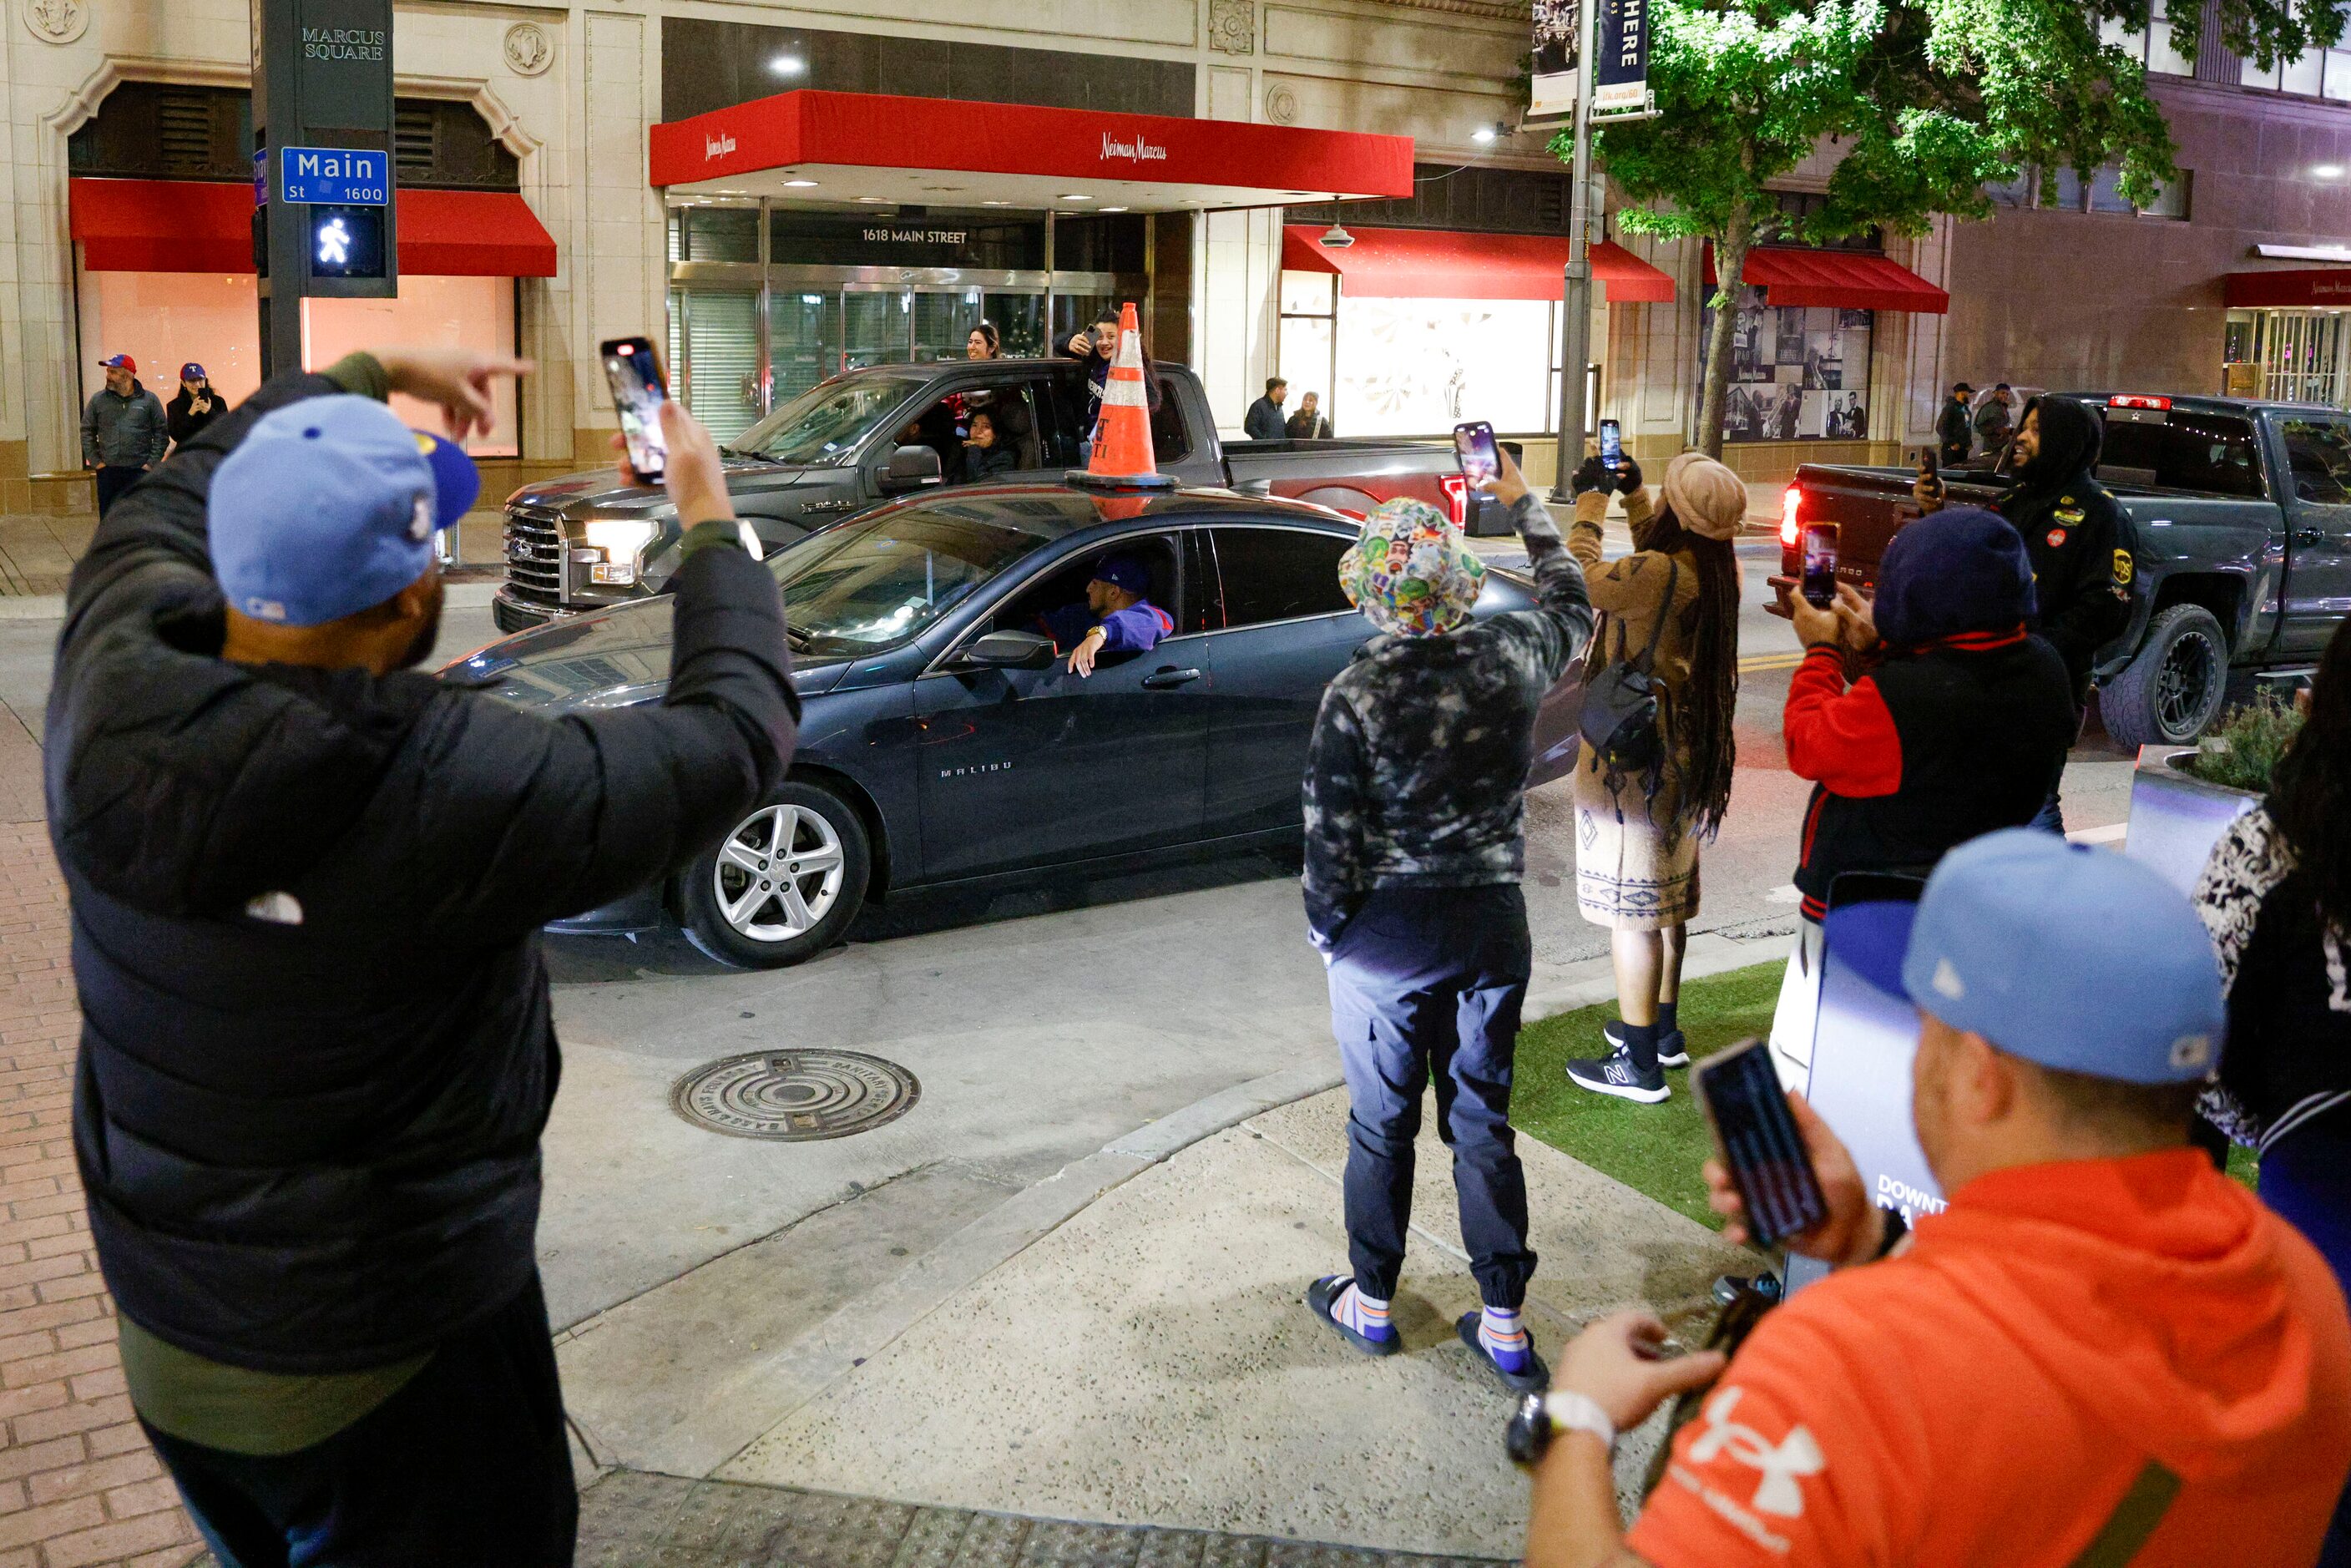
x=1456, y=498
x=2130, y=400
x=1791, y=530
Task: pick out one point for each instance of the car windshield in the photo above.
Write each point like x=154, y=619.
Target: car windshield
x=866, y=586
x=825, y=422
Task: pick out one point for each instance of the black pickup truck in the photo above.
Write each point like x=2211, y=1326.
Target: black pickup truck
x=586, y=542
x=2244, y=556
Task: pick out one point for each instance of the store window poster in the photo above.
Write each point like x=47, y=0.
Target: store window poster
x=1418, y=367
x=1797, y=373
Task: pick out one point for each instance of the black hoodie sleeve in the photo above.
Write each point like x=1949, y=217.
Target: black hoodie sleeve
x=2089, y=611
x=555, y=817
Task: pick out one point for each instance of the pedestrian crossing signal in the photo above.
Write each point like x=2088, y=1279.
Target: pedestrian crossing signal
x=346, y=242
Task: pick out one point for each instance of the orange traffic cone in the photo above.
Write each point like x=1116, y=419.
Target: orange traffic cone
x=1123, y=440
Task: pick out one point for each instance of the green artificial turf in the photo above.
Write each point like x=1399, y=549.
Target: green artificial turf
x=1656, y=1149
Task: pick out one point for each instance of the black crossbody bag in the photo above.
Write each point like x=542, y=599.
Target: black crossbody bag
x=1620, y=714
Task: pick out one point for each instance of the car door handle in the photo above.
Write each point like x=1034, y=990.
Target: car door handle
x=2310, y=536
x=1169, y=675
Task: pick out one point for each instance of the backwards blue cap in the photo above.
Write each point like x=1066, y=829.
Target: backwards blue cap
x=2076, y=959
x=1123, y=571
x=329, y=506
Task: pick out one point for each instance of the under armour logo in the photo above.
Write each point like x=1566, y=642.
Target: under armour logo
x=1784, y=1464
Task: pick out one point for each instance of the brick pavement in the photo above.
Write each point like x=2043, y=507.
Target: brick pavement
x=77, y=1484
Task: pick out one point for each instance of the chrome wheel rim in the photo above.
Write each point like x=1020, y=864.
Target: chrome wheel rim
x=2183, y=685
x=779, y=873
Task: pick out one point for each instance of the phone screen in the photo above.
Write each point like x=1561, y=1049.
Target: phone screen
x=1820, y=564
x=638, y=392
x=1480, y=460
x=1612, y=444
x=1760, y=1141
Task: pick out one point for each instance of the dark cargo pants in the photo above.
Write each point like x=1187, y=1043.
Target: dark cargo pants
x=1426, y=984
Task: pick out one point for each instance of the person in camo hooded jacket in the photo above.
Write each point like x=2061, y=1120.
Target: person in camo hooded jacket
x=1415, y=800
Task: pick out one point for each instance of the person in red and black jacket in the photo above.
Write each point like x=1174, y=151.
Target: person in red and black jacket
x=1958, y=723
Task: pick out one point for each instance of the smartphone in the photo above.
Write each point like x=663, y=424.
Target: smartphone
x=1612, y=444
x=1756, y=1134
x=1820, y=564
x=638, y=392
x=1732, y=1327
x=1481, y=460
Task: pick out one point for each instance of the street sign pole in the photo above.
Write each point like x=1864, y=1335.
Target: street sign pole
x=321, y=85
x=1575, y=293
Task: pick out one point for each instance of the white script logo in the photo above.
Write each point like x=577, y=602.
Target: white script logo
x=1135, y=152
x=717, y=146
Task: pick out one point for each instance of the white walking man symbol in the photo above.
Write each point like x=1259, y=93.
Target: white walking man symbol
x=1794, y=1457
x=334, y=243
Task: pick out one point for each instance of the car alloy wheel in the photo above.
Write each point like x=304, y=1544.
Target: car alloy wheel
x=2184, y=685
x=779, y=873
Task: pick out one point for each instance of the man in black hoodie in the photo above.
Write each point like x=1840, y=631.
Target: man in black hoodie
x=2080, y=540
x=306, y=884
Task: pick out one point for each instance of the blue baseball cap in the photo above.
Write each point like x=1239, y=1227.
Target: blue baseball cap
x=119, y=362
x=2073, y=957
x=1123, y=571
x=329, y=506
x=192, y=371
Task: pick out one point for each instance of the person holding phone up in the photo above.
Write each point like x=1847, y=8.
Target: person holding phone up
x=1673, y=603
x=1954, y=721
x=2102, y=1351
x=1416, y=839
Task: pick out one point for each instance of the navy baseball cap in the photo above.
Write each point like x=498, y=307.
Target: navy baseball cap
x=120, y=362
x=192, y=371
x=329, y=506
x=1123, y=571
x=2073, y=957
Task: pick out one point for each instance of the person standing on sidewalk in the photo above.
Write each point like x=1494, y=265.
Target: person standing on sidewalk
x=122, y=431
x=1416, y=802
x=1994, y=420
x=1952, y=428
x=2102, y=1351
x=306, y=883
x=1263, y=422
x=195, y=406
x=1674, y=602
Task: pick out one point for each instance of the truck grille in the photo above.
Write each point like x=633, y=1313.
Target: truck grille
x=535, y=555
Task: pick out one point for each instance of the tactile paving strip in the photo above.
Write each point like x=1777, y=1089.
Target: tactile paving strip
x=633, y=1521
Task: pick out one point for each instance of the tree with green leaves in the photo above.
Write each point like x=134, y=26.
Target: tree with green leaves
x=1922, y=102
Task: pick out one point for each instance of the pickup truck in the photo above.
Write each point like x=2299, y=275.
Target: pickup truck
x=2242, y=511
x=587, y=542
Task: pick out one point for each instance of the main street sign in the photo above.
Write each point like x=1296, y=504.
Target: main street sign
x=337, y=176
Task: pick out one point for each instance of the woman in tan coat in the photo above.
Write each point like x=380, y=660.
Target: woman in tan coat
x=1636, y=834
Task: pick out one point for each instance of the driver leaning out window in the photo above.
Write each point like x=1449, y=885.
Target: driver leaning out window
x=1115, y=617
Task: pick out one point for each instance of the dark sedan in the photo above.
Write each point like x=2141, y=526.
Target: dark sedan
x=943, y=741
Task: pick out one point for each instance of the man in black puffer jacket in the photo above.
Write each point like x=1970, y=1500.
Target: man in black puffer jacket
x=306, y=885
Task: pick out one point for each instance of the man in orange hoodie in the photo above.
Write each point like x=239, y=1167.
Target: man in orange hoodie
x=2103, y=1352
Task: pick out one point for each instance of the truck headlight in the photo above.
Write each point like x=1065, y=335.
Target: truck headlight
x=620, y=538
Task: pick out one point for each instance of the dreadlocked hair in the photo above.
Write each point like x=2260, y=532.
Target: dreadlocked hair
x=2310, y=790
x=1702, y=719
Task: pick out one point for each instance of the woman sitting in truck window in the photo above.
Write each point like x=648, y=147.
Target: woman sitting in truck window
x=984, y=455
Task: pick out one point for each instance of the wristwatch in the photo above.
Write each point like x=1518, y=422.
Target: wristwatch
x=1540, y=1417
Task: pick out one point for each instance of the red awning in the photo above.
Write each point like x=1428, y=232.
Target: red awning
x=2299, y=286
x=188, y=226
x=882, y=148
x=1845, y=279
x=1439, y=264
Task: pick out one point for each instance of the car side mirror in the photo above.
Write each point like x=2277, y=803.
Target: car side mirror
x=1010, y=651
x=911, y=468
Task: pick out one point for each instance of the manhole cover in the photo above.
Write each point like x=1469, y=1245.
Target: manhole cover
x=795, y=1096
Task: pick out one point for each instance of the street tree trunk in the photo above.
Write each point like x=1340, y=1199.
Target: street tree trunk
x=1731, y=249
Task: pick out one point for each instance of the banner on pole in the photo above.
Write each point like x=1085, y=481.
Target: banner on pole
x=1620, y=60
x=1559, y=30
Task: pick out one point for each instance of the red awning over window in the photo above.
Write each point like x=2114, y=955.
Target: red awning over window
x=1845, y=279
x=1440, y=264
x=2289, y=286
x=187, y=226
